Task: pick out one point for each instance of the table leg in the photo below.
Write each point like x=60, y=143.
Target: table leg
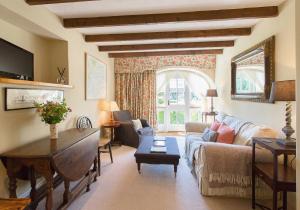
x=12, y=187
x=175, y=169
x=89, y=182
x=111, y=134
x=33, y=194
x=253, y=176
x=12, y=168
x=95, y=168
x=67, y=191
x=275, y=174
x=49, y=199
x=139, y=167
x=284, y=200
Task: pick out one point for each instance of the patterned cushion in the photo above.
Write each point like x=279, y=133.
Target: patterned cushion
x=215, y=126
x=209, y=135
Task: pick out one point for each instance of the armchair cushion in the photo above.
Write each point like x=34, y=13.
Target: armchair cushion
x=144, y=123
x=146, y=131
x=137, y=124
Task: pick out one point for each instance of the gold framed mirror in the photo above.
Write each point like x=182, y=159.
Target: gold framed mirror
x=253, y=71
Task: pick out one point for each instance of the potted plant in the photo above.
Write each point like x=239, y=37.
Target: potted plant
x=52, y=113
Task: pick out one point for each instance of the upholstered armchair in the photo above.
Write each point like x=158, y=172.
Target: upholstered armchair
x=126, y=133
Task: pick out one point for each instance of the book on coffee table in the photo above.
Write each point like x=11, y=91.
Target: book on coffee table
x=155, y=149
x=159, y=143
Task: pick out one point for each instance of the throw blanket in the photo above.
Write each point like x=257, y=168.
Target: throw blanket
x=192, y=143
x=227, y=165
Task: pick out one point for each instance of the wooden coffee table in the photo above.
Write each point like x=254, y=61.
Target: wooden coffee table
x=144, y=155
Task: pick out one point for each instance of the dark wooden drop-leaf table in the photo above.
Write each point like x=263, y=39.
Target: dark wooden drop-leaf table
x=71, y=157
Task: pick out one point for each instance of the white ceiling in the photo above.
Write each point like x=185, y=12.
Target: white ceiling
x=182, y=26
x=136, y=7
x=159, y=41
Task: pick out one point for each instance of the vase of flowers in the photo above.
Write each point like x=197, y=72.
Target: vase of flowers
x=52, y=113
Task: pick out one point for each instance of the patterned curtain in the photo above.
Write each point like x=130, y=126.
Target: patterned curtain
x=136, y=92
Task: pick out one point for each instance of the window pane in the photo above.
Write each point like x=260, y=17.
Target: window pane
x=173, y=98
x=173, y=117
x=180, y=83
x=177, y=117
x=181, y=100
x=195, y=116
x=195, y=100
x=161, y=117
x=161, y=99
x=180, y=117
x=173, y=83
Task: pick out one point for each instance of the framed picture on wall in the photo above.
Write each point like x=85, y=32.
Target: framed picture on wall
x=24, y=98
x=96, y=83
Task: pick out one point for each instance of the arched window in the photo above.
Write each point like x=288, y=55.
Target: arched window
x=180, y=97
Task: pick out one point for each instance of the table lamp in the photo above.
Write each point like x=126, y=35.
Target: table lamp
x=285, y=91
x=108, y=106
x=212, y=93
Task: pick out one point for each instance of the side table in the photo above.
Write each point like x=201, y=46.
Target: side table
x=112, y=126
x=205, y=114
x=281, y=178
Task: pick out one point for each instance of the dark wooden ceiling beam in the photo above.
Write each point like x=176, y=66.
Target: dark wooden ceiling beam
x=168, y=35
x=227, y=14
x=40, y=2
x=166, y=46
x=165, y=53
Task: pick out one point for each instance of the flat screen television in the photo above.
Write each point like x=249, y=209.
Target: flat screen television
x=15, y=62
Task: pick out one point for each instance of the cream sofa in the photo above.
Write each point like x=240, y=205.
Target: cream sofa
x=225, y=169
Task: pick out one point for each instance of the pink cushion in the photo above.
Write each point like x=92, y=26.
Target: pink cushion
x=225, y=134
x=215, y=126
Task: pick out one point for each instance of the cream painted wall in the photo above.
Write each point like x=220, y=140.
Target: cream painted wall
x=272, y=115
x=283, y=27
x=22, y=126
x=297, y=8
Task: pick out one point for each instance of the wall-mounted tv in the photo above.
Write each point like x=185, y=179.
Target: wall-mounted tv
x=15, y=62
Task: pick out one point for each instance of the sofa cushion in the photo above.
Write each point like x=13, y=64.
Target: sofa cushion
x=209, y=135
x=221, y=116
x=234, y=123
x=248, y=131
x=215, y=126
x=225, y=134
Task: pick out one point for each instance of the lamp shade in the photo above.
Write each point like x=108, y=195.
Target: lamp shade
x=212, y=93
x=114, y=106
x=103, y=105
x=283, y=91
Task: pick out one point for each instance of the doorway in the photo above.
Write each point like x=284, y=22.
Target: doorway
x=180, y=97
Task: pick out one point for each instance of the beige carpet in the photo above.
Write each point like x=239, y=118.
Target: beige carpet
x=120, y=187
